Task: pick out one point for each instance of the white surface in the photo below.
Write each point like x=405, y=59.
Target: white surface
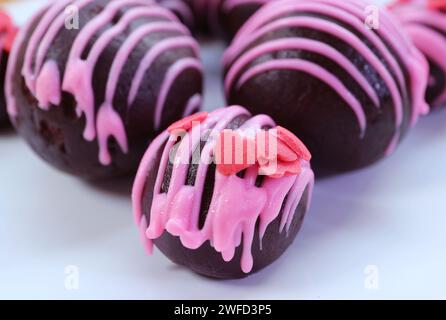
x=391, y=216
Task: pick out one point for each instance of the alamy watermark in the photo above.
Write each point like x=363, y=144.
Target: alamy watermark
x=371, y=280
x=372, y=17
x=72, y=278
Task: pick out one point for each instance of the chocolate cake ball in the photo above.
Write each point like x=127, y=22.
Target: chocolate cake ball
x=425, y=22
x=8, y=32
x=222, y=17
x=92, y=82
x=350, y=92
x=224, y=193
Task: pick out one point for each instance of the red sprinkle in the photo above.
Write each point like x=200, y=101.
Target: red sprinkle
x=8, y=28
x=293, y=143
x=436, y=4
x=286, y=169
x=284, y=153
x=187, y=123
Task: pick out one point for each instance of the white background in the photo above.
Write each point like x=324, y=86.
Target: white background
x=389, y=219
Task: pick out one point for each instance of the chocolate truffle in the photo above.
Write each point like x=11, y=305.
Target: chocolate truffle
x=425, y=22
x=350, y=92
x=92, y=82
x=8, y=32
x=224, y=193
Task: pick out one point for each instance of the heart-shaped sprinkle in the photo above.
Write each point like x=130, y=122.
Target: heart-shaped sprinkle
x=293, y=143
x=187, y=123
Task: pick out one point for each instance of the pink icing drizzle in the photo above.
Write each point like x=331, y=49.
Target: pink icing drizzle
x=229, y=220
x=277, y=15
x=48, y=85
x=11, y=103
x=423, y=26
x=43, y=77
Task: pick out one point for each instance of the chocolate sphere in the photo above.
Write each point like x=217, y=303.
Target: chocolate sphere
x=222, y=219
x=92, y=82
x=350, y=92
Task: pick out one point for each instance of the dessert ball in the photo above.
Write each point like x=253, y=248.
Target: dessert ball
x=92, y=82
x=224, y=193
x=8, y=32
x=223, y=17
x=350, y=92
x=425, y=22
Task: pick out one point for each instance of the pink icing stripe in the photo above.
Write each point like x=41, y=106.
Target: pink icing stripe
x=299, y=44
x=35, y=40
x=338, y=32
x=316, y=71
x=153, y=54
x=307, y=179
x=193, y=105
x=416, y=16
x=172, y=74
x=109, y=124
x=430, y=18
x=229, y=220
x=142, y=234
x=393, y=144
x=48, y=85
x=433, y=45
x=11, y=104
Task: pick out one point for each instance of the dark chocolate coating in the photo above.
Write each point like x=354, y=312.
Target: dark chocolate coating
x=212, y=19
x=57, y=135
x=232, y=21
x=4, y=119
x=435, y=90
x=205, y=260
x=315, y=112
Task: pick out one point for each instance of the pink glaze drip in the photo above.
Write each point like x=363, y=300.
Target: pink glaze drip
x=193, y=105
x=230, y=222
x=278, y=15
x=48, y=85
x=424, y=26
x=43, y=78
x=11, y=103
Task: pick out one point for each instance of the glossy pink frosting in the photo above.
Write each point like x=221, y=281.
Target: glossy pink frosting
x=44, y=79
x=283, y=14
x=237, y=203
